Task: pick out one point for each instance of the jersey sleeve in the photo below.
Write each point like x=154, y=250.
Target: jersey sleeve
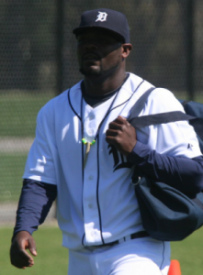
x=181, y=172
x=174, y=138
x=41, y=158
x=34, y=204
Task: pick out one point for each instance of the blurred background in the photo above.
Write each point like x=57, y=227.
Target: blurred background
x=38, y=61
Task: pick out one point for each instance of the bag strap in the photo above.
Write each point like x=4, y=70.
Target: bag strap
x=160, y=118
x=139, y=105
x=154, y=119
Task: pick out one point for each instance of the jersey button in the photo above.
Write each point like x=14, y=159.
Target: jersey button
x=90, y=205
x=91, y=116
x=90, y=132
x=90, y=177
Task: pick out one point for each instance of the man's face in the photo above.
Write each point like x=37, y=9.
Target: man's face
x=99, y=53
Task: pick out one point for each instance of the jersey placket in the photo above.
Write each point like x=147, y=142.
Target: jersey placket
x=90, y=202
x=93, y=120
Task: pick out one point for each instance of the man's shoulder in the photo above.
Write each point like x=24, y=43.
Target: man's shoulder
x=158, y=100
x=58, y=101
x=134, y=78
x=137, y=83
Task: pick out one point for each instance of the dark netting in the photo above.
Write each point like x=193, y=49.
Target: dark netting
x=198, y=40
x=28, y=80
x=159, y=34
x=38, y=60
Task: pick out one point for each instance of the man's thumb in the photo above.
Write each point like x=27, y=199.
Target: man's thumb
x=32, y=247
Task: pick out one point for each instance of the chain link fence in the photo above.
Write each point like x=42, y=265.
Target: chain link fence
x=38, y=61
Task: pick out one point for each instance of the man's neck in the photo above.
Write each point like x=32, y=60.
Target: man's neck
x=97, y=87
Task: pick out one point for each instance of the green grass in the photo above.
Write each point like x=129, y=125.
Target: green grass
x=11, y=171
x=189, y=253
x=18, y=111
x=52, y=259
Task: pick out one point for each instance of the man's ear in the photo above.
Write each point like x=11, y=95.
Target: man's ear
x=126, y=49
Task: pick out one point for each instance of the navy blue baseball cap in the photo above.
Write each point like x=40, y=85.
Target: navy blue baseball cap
x=106, y=19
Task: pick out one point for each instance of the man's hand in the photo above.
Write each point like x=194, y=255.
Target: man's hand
x=122, y=135
x=18, y=255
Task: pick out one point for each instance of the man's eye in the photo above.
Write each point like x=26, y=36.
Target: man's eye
x=89, y=41
x=82, y=41
x=105, y=42
x=96, y=41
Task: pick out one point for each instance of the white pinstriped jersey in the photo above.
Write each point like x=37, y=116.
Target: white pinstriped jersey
x=96, y=204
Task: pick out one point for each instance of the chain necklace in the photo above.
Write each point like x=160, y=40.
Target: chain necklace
x=84, y=140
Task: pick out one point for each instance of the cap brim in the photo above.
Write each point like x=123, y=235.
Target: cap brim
x=80, y=30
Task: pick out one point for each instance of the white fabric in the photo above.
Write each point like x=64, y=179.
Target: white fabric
x=97, y=203
x=135, y=257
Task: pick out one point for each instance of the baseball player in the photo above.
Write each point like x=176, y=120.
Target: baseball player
x=85, y=152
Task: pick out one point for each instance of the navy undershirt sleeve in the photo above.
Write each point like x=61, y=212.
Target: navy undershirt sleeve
x=183, y=173
x=34, y=204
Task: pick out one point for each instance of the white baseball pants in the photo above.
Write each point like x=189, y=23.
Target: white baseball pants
x=143, y=256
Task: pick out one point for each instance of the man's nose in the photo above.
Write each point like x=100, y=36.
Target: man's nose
x=90, y=45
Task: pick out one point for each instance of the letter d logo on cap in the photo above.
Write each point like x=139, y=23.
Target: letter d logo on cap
x=102, y=16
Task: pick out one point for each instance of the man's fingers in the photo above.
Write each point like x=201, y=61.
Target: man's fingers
x=18, y=253
x=122, y=135
x=121, y=119
x=117, y=123
x=111, y=133
x=20, y=258
x=117, y=126
x=32, y=247
x=26, y=259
